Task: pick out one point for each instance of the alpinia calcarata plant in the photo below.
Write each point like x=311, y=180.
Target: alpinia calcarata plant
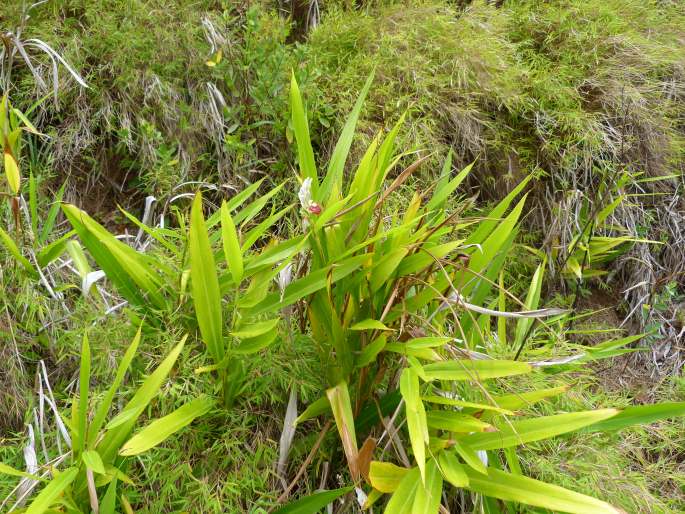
x=407, y=330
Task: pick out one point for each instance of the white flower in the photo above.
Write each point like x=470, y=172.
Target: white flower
x=305, y=193
x=285, y=277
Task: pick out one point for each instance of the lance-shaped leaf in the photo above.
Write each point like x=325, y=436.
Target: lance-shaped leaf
x=104, y=406
x=9, y=470
x=385, y=476
x=333, y=180
x=339, y=397
x=312, y=503
x=309, y=284
x=52, y=491
x=205, y=284
x=639, y=415
x=455, y=421
x=120, y=427
x=160, y=429
x=93, y=461
x=427, y=499
x=16, y=253
x=452, y=469
x=517, y=488
x=232, y=251
x=92, y=236
x=532, y=301
x=475, y=370
x=513, y=433
x=416, y=417
x=305, y=154
x=402, y=500
x=12, y=172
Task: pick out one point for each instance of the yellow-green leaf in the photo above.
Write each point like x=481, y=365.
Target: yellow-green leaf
x=339, y=397
x=205, y=284
x=518, y=488
x=9, y=470
x=93, y=461
x=370, y=324
x=52, y=491
x=455, y=421
x=305, y=154
x=371, y=351
x=513, y=433
x=452, y=469
x=475, y=370
x=427, y=498
x=385, y=476
x=232, y=251
x=12, y=172
x=402, y=500
x=248, y=330
x=255, y=344
x=160, y=429
x=416, y=417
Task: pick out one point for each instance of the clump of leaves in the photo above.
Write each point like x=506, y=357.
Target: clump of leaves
x=405, y=330
x=98, y=451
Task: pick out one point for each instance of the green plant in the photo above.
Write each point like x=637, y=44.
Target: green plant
x=413, y=313
x=398, y=305
x=97, y=460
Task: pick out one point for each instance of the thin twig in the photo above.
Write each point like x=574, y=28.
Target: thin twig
x=304, y=465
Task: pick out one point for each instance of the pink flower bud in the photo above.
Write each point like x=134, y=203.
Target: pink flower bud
x=314, y=208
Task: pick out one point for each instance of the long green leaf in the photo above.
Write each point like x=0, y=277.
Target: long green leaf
x=333, y=180
x=102, y=255
x=402, y=500
x=9, y=470
x=300, y=127
x=475, y=369
x=514, y=433
x=93, y=461
x=232, y=251
x=531, y=303
x=249, y=330
x=427, y=498
x=452, y=469
x=455, y=421
x=639, y=415
x=416, y=417
x=52, y=215
x=160, y=429
x=310, y=284
x=52, y=491
x=341, y=406
x=120, y=427
x=102, y=410
x=517, y=488
x=205, y=284
x=522, y=400
x=443, y=193
x=84, y=388
x=14, y=251
x=313, y=503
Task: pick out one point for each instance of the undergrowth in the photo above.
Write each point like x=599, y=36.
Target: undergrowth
x=551, y=135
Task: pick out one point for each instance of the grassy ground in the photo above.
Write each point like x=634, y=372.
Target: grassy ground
x=574, y=91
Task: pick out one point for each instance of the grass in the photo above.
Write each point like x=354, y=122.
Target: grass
x=640, y=469
x=578, y=93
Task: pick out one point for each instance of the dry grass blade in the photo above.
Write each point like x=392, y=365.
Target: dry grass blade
x=287, y=435
x=401, y=178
